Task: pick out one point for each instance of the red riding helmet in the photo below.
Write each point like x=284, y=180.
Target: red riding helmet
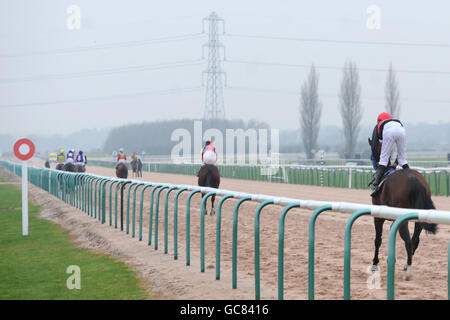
x=384, y=116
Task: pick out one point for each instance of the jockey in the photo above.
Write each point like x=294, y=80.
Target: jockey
x=70, y=156
x=81, y=159
x=209, y=154
x=121, y=157
x=61, y=157
x=386, y=133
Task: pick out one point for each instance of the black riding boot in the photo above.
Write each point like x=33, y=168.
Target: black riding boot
x=405, y=166
x=378, y=176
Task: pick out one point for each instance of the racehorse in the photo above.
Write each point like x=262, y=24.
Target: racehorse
x=70, y=167
x=60, y=166
x=139, y=168
x=135, y=166
x=405, y=188
x=80, y=168
x=122, y=171
x=209, y=176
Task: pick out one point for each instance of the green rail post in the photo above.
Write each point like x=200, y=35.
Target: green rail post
x=281, y=248
x=347, y=248
x=118, y=185
x=218, y=231
x=391, y=251
x=141, y=208
x=311, y=244
x=132, y=184
x=150, y=222
x=175, y=223
x=188, y=226
x=157, y=214
x=202, y=230
x=113, y=181
x=133, y=222
x=235, y=231
x=166, y=217
x=104, y=199
x=257, y=248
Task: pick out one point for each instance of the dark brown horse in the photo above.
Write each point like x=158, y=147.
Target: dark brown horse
x=70, y=167
x=209, y=176
x=122, y=170
x=405, y=189
x=60, y=166
x=136, y=165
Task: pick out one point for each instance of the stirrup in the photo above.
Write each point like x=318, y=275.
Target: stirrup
x=374, y=193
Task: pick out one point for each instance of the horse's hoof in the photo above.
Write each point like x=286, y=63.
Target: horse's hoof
x=212, y=212
x=408, y=274
x=374, y=268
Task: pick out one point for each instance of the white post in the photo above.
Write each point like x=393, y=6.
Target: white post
x=350, y=178
x=24, y=198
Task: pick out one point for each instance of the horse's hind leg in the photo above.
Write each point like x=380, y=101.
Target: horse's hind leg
x=213, y=197
x=404, y=234
x=415, y=238
x=378, y=233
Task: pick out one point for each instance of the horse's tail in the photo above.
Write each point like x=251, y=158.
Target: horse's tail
x=421, y=200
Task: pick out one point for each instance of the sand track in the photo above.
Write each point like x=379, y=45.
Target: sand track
x=172, y=279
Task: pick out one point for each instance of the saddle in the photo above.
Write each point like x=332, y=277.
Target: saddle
x=383, y=179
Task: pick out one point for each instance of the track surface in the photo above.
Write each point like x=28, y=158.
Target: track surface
x=172, y=279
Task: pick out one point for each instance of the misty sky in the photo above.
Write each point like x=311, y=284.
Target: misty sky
x=56, y=80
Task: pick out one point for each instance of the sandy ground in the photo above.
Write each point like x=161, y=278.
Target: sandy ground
x=172, y=279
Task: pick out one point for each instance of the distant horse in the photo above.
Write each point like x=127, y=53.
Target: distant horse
x=47, y=164
x=139, y=168
x=134, y=167
x=80, y=168
x=122, y=170
x=405, y=188
x=70, y=167
x=209, y=176
x=60, y=166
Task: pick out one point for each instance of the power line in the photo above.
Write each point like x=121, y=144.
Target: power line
x=105, y=46
x=118, y=96
x=353, y=42
x=336, y=68
x=297, y=93
x=140, y=68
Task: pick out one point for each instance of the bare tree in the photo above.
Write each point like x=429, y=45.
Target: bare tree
x=350, y=106
x=310, y=111
x=391, y=94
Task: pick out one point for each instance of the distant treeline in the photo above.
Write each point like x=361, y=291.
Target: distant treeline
x=160, y=137
x=154, y=138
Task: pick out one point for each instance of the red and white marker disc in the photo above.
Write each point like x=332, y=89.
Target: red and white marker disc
x=19, y=145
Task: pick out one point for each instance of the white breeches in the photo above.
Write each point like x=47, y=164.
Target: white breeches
x=209, y=157
x=393, y=133
x=69, y=160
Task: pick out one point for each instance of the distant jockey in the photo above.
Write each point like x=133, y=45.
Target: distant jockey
x=70, y=156
x=61, y=157
x=209, y=154
x=121, y=157
x=81, y=159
